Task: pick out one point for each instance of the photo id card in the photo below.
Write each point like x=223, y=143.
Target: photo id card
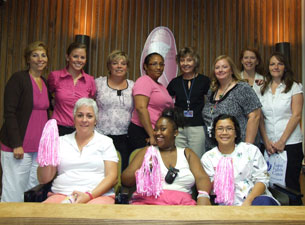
x=188, y=113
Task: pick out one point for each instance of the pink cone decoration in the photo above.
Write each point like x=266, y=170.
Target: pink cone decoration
x=49, y=145
x=224, y=181
x=148, y=177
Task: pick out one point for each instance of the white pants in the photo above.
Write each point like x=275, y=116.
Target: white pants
x=192, y=137
x=19, y=175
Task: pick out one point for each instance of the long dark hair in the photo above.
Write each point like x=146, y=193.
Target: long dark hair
x=236, y=127
x=287, y=77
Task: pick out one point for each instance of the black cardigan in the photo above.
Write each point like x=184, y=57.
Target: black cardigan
x=18, y=105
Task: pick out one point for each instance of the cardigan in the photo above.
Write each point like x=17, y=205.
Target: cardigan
x=18, y=105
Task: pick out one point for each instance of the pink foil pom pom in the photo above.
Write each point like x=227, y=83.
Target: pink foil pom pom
x=148, y=177
x=49, y=145
x=224, y=181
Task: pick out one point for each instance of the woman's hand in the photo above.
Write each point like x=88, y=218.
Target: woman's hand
x=247, y=202
x=152, y=141
x=81, y=197
x=278, y=146
x=269, y=147
x=18, y=153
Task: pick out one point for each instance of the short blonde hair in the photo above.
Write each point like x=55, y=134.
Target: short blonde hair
x=114, y=55
x=32, y=47
x=235, y=72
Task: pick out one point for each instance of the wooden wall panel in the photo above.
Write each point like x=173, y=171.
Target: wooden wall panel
x=214, y=27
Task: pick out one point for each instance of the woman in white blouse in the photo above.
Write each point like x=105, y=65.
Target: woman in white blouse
x=237, y=169
x=115, y=103
x=282, y=100
x=251, y=67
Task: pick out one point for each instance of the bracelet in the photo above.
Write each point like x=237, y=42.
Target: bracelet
x=90, y=195
x=203, y=194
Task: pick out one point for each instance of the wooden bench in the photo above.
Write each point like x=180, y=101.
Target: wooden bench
x=37, y=213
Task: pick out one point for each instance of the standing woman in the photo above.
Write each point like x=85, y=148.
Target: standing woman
x=70, y=84
x=251, y=67
x=115, y=103
x=189, y=90
x=282, y=100
x=25, y=114
x=230, y=95
x=150, y=98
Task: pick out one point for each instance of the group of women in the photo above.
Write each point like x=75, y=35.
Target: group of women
x=216, y=119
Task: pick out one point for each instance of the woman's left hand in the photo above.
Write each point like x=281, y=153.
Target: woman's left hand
x=247, y=202
x=81, y=197
x=278, y=146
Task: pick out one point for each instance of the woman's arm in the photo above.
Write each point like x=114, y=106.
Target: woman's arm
x=110, y=179
x=46, y=174
x=202, y=180
x=252, y=125
x=296, y=108
x=128, y=176
x=141, y=104
x=267, y=142
x=258, y=189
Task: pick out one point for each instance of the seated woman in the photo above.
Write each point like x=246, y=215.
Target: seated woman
x=165, y=175
x=87, y=169
x=237, y=169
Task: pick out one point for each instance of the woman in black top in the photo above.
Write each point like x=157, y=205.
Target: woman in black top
x=189, y=90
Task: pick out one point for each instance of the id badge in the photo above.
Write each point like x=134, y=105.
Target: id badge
x=188, y=113
x=209, y=130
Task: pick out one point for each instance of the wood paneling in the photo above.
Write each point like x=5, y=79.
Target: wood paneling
x=214, y=27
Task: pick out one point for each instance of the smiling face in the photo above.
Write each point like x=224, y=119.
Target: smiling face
x=223, y=70
x=225, y=132
x=155, y=67
x=77, y=59
x=118, y=67
x=249, y=61
x=84, y=119
x=187, y=64
x=165, y=133
x=38, y=60
x=276, y=68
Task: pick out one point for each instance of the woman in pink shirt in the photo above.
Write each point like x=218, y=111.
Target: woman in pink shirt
x=70, y=84
x=150, y=99
x=25, y=114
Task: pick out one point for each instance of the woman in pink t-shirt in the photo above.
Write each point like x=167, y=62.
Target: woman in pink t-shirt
x=150, y=99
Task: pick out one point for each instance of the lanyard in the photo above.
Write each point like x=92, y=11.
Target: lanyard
x=188, y=96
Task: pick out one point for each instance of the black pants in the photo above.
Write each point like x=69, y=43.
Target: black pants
x=63, y=130
x=121, y=144
x=137, y=137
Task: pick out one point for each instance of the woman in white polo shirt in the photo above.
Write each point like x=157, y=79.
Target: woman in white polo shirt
x=87, y=169
x=282, y=100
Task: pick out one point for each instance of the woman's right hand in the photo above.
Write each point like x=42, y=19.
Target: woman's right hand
x=18, y=153
x=152, y=141
x=269, y=147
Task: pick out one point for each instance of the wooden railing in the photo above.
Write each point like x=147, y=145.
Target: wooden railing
x=37, y=213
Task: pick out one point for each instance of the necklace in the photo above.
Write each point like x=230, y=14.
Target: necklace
x=224, y=92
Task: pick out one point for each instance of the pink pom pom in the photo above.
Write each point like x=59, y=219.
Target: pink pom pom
x=49, y=145
x=148, y=177
x=224, y=181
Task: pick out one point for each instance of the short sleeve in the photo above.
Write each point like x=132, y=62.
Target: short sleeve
x=170, y=88
x=108, y=150
x=247, y=98
x=93, y=88
x=142, y=87
x=207, y=164
x=52, y=82
x=296, y=88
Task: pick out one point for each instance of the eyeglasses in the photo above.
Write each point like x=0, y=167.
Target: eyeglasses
x=156, y=64
x=222, y=129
